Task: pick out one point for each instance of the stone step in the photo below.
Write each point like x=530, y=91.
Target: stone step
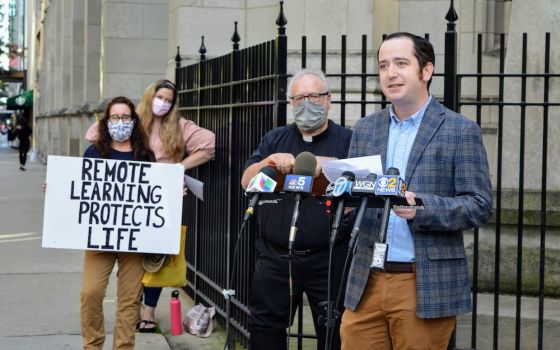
x=506, y=324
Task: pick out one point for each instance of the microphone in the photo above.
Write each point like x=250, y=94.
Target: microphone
x=388, y=186
x=365, y=188
x=341, y=186
x=263, y=182
x=300, y=182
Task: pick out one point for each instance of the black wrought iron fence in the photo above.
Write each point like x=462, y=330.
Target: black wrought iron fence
x=242, y=95
x=528, y=214
x=239, y=96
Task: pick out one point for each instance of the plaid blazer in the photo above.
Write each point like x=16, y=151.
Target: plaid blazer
x=448, y=169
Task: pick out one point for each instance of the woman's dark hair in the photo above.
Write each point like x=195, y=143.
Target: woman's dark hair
x=423, y=49
x=138, y=138
x=164, y=83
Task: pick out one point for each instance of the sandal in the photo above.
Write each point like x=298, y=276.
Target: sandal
x=142, y=326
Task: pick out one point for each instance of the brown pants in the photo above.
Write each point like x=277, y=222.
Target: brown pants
x=97, y=269
x=386, y=318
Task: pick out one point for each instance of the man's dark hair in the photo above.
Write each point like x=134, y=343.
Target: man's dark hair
x=423, y=49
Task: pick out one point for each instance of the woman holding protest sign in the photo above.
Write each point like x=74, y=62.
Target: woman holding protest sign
x=171, y=137
x=120, y=136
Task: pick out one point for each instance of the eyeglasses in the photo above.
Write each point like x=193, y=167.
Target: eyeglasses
x=314, y=97
x=124, y=117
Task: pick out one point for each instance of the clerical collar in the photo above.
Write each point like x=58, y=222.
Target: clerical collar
x=318, y=137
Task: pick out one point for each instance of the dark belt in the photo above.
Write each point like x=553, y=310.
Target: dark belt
x=399, y=267
x=306, y=251
x=300, y=252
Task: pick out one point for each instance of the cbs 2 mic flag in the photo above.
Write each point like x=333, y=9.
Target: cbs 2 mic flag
x=390, y=185
x=110, y=205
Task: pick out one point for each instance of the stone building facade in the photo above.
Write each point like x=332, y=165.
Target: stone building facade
x=84, y=52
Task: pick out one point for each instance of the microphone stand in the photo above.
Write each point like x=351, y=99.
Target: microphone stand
x=228, y=292
x=332, y=313
x=293, y=226
x=293, y=230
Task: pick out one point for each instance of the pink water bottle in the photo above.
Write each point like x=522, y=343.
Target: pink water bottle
x=175, y=313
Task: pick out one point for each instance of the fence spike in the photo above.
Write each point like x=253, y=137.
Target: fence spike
x=202, y=50
x=451, y=15
x=178, y=59
x=235, y=37
x=281, y=21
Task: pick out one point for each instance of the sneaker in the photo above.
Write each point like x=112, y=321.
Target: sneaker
x=22, y=168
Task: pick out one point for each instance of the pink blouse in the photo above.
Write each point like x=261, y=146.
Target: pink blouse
x=194, y=137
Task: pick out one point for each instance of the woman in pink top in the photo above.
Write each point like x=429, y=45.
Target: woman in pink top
x=171, y=136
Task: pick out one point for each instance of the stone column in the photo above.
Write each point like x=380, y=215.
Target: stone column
x=77, y=57
x=91, y=55
x=133, y=46
x=64, y=65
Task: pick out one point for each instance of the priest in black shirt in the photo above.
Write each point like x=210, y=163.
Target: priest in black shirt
x=269, y=304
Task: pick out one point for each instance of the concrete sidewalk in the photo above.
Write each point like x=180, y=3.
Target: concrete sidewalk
x=40, y=287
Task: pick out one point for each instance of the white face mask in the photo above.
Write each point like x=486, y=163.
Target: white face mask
x=160, y=107
x=120, y=131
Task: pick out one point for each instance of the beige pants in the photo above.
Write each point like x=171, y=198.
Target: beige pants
x=386, y=318
x=97, y=269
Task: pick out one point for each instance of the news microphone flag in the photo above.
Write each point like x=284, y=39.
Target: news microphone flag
x=364, y=186
x=261, y=183
x=390, y=186
x=343, y=184
x=301, y=181
x=298, y=183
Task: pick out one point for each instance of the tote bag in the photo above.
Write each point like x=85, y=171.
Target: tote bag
x=173, y=273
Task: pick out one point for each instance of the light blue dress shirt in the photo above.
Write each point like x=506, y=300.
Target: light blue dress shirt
x=401, y=138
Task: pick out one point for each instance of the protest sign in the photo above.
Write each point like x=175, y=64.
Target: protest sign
x=110, y=205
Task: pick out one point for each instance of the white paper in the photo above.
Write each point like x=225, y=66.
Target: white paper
x=195, y=186
x=360, y=166
x=136, y=208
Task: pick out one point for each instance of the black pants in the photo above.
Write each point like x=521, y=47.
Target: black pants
x=23, y=149
x=269, y=303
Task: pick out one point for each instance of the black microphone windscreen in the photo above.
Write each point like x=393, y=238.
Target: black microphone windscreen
x=393, y=171
x=349, y=175
x=270, y=172
x=305, y=164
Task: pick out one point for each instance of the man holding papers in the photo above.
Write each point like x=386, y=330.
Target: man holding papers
x=412, y=300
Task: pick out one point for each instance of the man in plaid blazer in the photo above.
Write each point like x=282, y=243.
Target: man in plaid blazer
x=413, y=302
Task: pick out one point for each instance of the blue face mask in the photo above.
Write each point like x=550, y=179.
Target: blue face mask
x=309, y=116
x=120, y=131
